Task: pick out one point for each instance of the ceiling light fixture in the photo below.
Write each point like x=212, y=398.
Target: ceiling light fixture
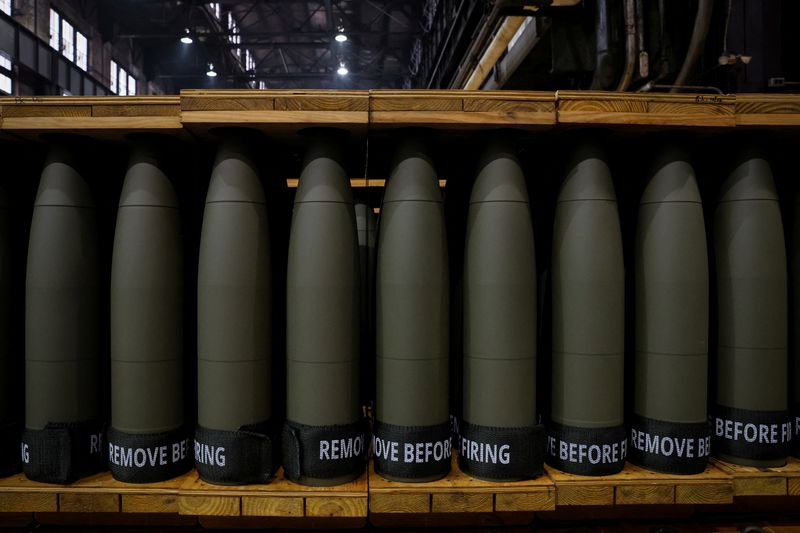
x=342, y=70
x=187, y=37
x=211, y=73
x=340, y=35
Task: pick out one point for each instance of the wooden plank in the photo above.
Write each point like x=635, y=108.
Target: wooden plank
x=146, y=110
x=461, y=120
x=462, y=502
x=335, y=506
x=530, y=501
x=209, y=505
x=704, y=493
x=273, y=506
x=496, y=104
x=29, y=502
x=223, y=103
x=399, y=503
x=696, y=110
x=767, y=110
x=90, y=125
x=149, y=503
x=415, y=101
x=80, y=502
x=635, y=485
x=793, y=487
x=279, y=498
x=299, y=119
x=752, y=481
x=313, y=102
x=760, y=486
x=34, y=110
x=459, y=493
x=644, y=494
x=584, y=495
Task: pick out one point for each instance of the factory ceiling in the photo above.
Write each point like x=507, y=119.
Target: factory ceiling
x=345, y=44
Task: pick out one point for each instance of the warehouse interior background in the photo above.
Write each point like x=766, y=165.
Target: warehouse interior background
x=154, y=47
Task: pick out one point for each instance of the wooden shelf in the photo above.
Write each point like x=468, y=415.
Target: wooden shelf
x=768, y=110
x=280, y=498
x=638, y=486
x=462, y=109
x=109, y=116
x=276, y=112
x=751, y=481
x=646, y=109
x=186, y=495
x=283, y=113
x=99, y=493
x=459, y=493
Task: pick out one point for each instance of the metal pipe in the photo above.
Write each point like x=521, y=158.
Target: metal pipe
x=630, y=46
x=493, y=52
x=650, y=85
x=603, y=64
x=644, y=58
x=444, y=46
x=701, y=23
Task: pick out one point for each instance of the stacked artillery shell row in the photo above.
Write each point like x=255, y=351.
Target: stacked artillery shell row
x=344, y=267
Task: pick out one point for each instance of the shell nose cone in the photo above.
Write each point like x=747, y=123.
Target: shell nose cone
x=589, y=177
x=146, y=184
x=751, y=179
x=323, y=178
x=500, y=178
x=234, y=178
x=673, y=178
x=61, y=183
x=413, y=176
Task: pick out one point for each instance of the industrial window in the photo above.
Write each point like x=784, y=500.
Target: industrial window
x=55, y=29
x=81, y=50
x=214, y=6
x=121, y=81
x=113, y=77
x=5, y=74
x=66, y=39
x=234, y=37
x=5, y=6
x=249, y=62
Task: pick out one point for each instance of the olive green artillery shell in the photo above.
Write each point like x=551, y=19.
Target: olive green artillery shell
x=412, y=296
x=61, y=295
x=671, y=295
x=234, y=325
x=500, y=297
x=588, y=297
x=323, y=295
x=752, y=289
x=147, y=302
x=795, y=251
x=8, y=403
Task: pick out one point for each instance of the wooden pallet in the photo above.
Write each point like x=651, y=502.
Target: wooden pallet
x=462, y=109
x=635, y=485
x=99, y=493
x=276, y=112
x=280, y=499
x=459, y=493
x=751, y=481
x=646, y=109
x=767, y=110
x=104, y=117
